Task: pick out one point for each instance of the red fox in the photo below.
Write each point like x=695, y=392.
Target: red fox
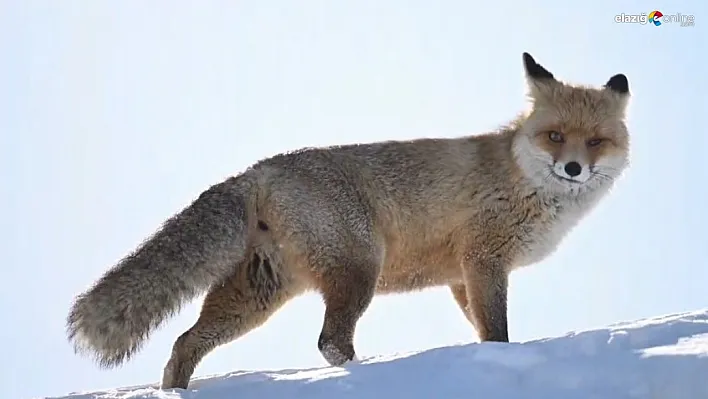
x=354, y=221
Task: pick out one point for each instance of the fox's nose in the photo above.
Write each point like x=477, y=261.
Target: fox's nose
x=573, y=168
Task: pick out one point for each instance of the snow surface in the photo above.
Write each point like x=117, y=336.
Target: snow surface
x=663, y=357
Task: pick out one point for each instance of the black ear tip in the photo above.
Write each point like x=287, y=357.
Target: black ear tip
x=529, y=62
x=618, y=83
x=534, y=69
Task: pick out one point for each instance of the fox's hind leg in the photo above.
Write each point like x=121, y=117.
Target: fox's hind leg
x=255, y=291
x=347, y=289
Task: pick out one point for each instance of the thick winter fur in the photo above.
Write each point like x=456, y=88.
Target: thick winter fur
x=354, y=221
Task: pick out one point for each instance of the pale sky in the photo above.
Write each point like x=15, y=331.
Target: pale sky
x=115, y=115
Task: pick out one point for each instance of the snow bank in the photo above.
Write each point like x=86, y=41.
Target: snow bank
x=663, y=357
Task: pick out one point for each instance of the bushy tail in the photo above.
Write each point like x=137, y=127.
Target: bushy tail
x=192, y=250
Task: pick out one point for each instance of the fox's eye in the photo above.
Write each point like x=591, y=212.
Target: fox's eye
x=556, y=137
x=594, y=142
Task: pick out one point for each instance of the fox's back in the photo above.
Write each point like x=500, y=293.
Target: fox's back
x=415, y=197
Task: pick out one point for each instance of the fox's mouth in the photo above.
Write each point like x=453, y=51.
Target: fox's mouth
x=564, y=179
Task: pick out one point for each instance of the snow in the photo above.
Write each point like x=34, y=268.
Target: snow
x=660, y=357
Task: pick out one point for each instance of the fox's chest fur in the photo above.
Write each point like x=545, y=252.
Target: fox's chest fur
x=521, y=232
x=544, y=235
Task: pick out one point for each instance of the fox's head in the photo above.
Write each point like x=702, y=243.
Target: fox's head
x=574, y=140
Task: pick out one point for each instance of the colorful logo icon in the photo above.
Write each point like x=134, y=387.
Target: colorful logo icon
x=655, y=17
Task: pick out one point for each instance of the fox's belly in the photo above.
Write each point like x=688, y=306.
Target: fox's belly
x=418, y=271
x=416, y=279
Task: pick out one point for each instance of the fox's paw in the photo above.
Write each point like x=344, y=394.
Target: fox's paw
x=337, y=356
x=175, y=375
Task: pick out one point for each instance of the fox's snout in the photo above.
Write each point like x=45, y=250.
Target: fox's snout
x=572, y=170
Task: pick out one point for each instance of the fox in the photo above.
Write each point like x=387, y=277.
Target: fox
x=354, y=221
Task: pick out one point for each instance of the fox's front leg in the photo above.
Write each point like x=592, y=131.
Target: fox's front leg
x=486, y=285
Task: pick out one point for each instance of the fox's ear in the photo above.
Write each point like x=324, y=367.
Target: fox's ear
x=534, y=70
x=539, y=78
x=619, y=84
